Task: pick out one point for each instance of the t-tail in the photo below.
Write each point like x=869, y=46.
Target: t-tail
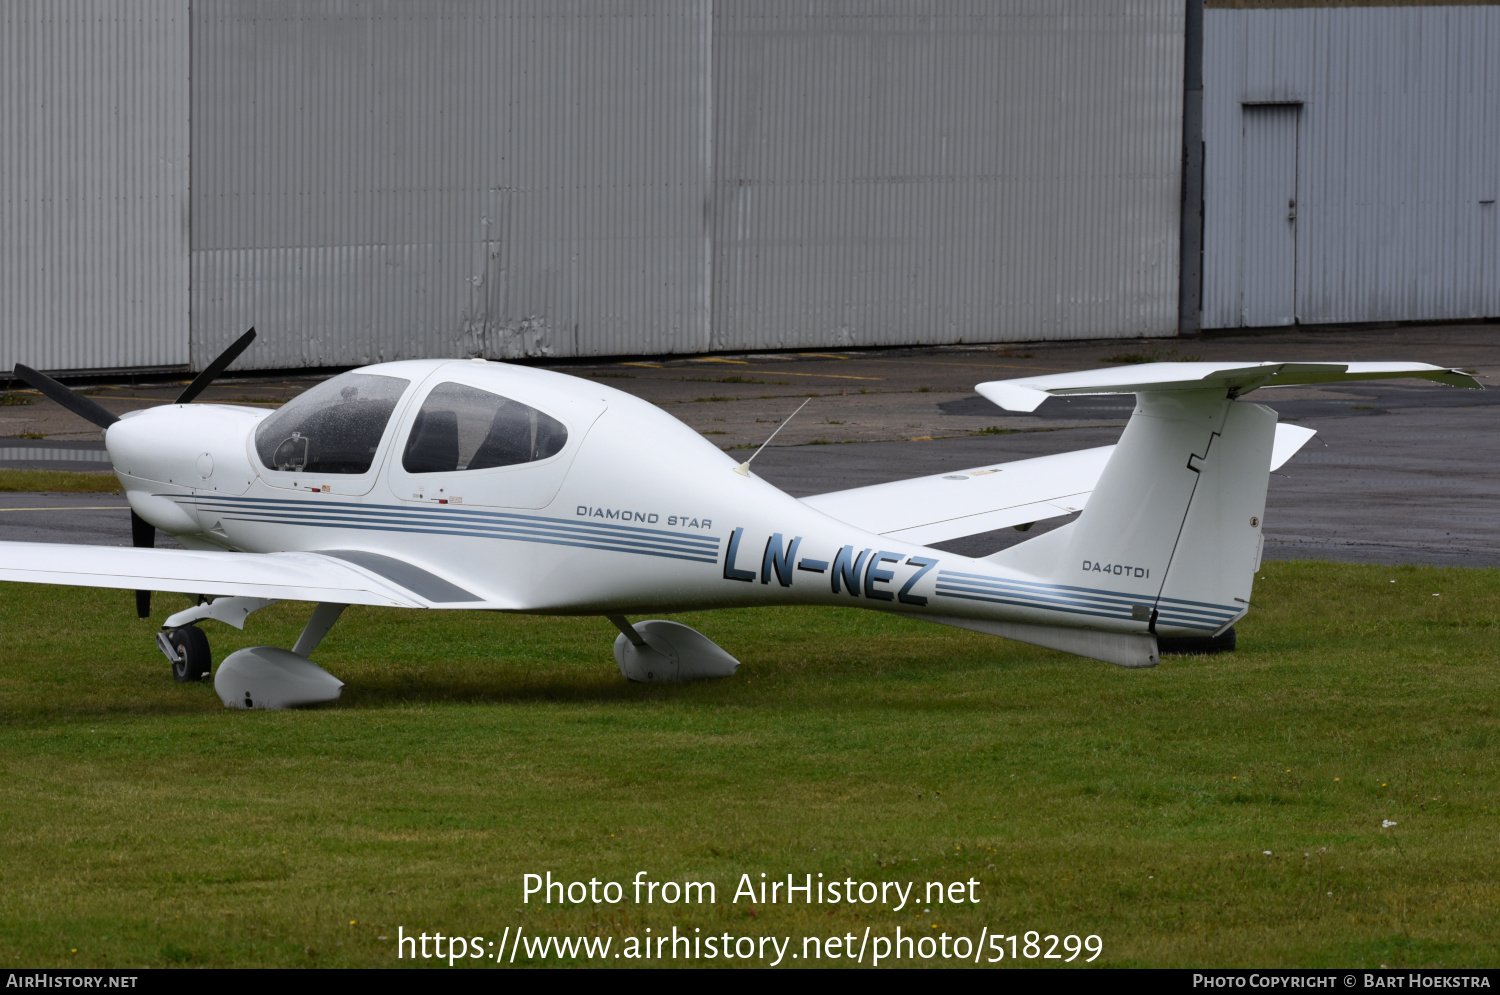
x=1174, y=525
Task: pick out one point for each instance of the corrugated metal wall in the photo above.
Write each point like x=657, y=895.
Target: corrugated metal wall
x=375, y=180
x=93, y=184
x=381, y=180
x=1398, y=158
x=911, y=171
x=378, y=179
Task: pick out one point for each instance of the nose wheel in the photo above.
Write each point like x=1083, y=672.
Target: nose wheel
x=187, y=649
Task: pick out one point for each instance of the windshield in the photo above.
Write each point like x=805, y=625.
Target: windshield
x=333, y=428
x=465, y=428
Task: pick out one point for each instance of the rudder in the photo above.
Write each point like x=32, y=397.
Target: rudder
x=1207, y=585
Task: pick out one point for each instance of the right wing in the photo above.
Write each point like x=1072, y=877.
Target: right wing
x=350, y=577
x=960, y=503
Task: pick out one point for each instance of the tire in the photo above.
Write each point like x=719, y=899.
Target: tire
x=193, y=659
x=1197, y=645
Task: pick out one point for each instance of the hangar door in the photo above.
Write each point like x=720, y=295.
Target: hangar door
x=1397, y=152
x=1268, y=232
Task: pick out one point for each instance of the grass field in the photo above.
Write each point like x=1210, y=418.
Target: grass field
x=143, y=824
x=103, y=482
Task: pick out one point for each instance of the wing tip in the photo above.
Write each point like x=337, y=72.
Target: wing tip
x=1459, y=378
x=1011, y=395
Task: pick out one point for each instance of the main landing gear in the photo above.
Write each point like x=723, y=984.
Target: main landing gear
x=187, y=648
x=257, y=676
x=661, y=652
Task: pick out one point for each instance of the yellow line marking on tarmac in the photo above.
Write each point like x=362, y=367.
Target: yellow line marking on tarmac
x=75, y=507
x=716, y=359
x=789, y=373
x=835, y=376
x=822, y=355
x=983, y=366
x=649, y=366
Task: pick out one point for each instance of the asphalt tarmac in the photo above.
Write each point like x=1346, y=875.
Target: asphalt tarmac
x=1398, y=473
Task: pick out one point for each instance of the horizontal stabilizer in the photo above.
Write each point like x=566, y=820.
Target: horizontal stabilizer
x=1237, y=379
x=1289, y=439
x=341, y=576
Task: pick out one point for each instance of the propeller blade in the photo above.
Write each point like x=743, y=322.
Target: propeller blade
x=142, y=536
x=219, y=365
x=75, y=402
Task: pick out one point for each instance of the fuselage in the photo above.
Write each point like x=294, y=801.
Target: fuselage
x=598, y=503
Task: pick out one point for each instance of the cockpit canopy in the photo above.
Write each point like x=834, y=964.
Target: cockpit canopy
x=336, y=427
x=465, y=428
x=333, y=428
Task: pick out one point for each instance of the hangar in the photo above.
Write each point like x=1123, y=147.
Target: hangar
x=392, y=179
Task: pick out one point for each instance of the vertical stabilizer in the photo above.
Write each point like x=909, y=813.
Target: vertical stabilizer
x=1173, y=525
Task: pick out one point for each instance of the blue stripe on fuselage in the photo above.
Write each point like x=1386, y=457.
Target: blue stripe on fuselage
x=460, y=521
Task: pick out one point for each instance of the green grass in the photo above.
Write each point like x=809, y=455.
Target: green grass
x=59, y=480
x=143, y=824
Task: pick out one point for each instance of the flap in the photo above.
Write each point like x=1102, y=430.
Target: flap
x=340, y=576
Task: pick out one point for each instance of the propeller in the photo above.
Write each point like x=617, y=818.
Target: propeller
x=142, y=536
x=142, y=532
x=219, y=365
x=81, y=406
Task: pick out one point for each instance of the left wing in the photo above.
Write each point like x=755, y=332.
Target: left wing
x=349, y=577
x=966, y=502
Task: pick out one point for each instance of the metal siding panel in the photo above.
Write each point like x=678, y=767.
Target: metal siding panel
x=379, y=180
x=1223, y=80
x=1488, y=155
x=94, y=184
x=940, y=172
x=1397, y=148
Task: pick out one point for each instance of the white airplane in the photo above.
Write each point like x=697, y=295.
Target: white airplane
x=466, y=484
